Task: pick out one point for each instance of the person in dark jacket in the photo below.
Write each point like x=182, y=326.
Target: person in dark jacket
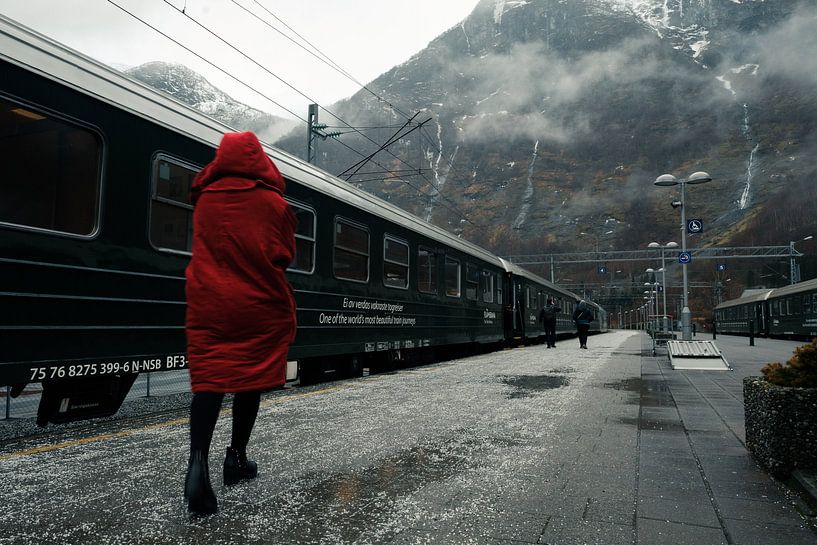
x=547, y=317
x=582, y=317
x=240, y=316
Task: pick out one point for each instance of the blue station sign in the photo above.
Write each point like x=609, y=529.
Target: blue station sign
x=684, y=258
x=695, y=226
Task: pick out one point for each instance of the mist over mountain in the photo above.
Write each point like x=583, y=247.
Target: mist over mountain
x=548, y=121
x=191, y=88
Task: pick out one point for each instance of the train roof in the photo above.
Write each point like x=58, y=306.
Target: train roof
x=519, y=271
x=33, y=51
x=766, y=294
x=808, y=285
x=756, y=296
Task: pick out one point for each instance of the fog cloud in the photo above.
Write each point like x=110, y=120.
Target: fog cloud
x=524, y=93
x=790, y=49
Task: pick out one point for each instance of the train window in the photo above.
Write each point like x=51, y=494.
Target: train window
x=304, y=261
x=471, y=281
x=531, y=298
x=51, y=172
x=171, y=213
x=488, y=280
x=499, y=292
x=395, y=263
x=351, y=261
x=426, y=271
x=452, y=277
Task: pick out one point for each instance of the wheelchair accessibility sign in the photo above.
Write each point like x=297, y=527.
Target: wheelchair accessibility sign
x=684, y=258
x=695, y=226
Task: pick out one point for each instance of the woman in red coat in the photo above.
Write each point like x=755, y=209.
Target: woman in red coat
x=240, y=310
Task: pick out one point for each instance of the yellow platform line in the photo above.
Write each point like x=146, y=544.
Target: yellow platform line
x=177, y=421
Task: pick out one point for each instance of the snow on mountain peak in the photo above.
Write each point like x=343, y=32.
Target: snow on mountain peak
x=668, y=19
x=503, y=6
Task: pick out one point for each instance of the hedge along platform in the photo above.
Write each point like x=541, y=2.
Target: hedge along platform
x=696, y=355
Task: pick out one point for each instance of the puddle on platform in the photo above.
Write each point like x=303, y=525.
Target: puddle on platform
x=528, y=385
x=651, y=393
x=652, y=424
x=630, y=385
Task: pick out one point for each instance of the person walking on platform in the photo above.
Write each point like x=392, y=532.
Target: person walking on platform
x=582, y=317
x=547, y=317
x=240, y=309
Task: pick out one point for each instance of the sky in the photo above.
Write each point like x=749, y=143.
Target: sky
x=363, y=37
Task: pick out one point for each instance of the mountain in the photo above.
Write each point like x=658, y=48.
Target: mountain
x=548, y=121
x=545, y=123
x=191, y=88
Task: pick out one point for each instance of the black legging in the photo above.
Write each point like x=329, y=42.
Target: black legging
x=582, y=330
x=550, y=332
x=204, y=414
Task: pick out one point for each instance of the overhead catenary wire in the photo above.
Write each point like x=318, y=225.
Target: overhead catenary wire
x=134, y=16
x=329, y=61
x=362, y=162
x=265, y=69
x=228, y=44
x=321, y=56
x=337, y=67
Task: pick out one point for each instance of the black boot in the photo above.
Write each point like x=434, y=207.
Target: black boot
x=197, y=490
x=237, y=467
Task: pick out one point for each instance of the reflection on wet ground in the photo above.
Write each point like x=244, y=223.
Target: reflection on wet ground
x=528, y=385
x=651, y=392
x=652, y=424
x=647, y=393
x=629, y=384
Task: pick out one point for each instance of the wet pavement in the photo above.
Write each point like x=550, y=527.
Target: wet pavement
x=565, y=446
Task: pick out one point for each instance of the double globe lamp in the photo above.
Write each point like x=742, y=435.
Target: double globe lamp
x=666, y=180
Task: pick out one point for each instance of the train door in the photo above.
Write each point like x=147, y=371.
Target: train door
x=508, y=291
x=520, y=308
x=760, y=320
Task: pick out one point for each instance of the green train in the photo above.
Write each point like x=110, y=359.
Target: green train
x=789, y=312
x=96, y=231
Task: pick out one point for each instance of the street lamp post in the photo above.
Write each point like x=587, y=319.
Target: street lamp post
x=666, y=180
x=653, y=299
x=663, y=274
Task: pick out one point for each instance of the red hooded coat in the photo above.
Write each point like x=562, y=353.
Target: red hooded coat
x=240, y=310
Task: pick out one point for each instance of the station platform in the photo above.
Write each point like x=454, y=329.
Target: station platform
x=561, y=446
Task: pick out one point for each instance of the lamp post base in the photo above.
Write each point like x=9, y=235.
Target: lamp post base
x=686, y=324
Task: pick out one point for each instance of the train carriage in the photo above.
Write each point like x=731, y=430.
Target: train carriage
x=530, y=292
x=792, y=311
x=786, y=312
x=96, y=231
x=733, y=316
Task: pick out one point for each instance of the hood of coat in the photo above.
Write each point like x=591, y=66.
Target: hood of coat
x=239, y=155
x=582, y=305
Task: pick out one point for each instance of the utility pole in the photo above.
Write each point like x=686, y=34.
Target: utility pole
x=313, y=129
x=311, y=121
x=793, y=269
